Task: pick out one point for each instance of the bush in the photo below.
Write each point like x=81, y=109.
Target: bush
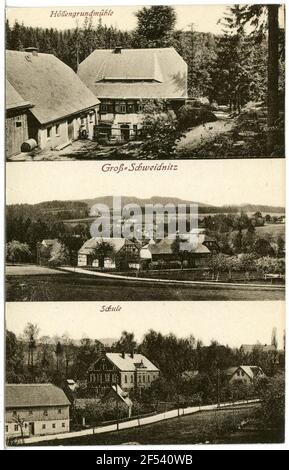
x=191, y=116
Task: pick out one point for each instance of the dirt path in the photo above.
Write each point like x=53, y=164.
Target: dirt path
x=205, y=132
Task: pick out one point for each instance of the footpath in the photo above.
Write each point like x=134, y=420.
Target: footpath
x=138, y=422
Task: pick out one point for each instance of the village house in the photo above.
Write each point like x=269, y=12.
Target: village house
x=125, y=256
x=194, y=249
x=129, y=371
x=16, y=124
x=116, y=393
x=251, y=348
x=35, y=409
x=123, y=79
x=60, y=108
x=244, y=374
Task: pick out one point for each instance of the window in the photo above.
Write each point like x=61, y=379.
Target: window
x=6, y=428
x=139, y=107
x=106, y=107
x=30, y=412
x=143, y=378
x=49, y=131
x=107, y=377
x=139, y=378
x=91, y=118
x=26, y=425
x=57, y=129
x=15, y=427
x=130, y=107
x=45, y=413
x=53, y=425
x=18, y=123
x=59, y=411
x=120, y=107
x=103, y=108
x=125, y=379
x=43, y=426
x=131, y=378
x=63, y=425
x=14, y=413
x=83, y=120
x=149, y=378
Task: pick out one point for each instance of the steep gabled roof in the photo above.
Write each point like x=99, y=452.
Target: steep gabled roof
x=251, y=371
x=49, y=84
x=13, y=99
x=165, y=247
x=88, y=246
x=128, y=363
x=135, y=73
x=34, y=395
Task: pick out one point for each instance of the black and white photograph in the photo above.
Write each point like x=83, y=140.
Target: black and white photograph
x=69, y=242
x=144, y=229
x=185, y=374
x=145, y=82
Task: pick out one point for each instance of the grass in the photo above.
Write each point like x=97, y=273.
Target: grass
x=24, y=270
x=204, y=427
x=79, y=287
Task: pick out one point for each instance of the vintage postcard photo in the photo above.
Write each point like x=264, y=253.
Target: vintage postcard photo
x=191, y=374
x=195, y=231
x=145, y=82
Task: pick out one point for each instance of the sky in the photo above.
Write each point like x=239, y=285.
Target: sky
x=232, y=323
x=204, y=17
x=216, y=182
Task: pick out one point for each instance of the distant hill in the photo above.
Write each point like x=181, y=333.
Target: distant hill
x=79, y=209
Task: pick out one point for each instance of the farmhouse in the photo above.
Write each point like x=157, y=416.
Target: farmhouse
x=35, y=409
x=125, y=255
x=60, y=108
x=16, y=120
x=244, y=374
x=123, y=79
x=129, y=371
x=194, y=251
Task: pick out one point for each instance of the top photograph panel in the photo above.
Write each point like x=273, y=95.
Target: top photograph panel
x=155, y=82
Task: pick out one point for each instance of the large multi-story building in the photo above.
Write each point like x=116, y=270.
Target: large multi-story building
x=123, y=79
x=129, y=371
x=35, y=409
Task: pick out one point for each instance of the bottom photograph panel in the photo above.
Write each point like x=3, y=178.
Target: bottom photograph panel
x=144, y=374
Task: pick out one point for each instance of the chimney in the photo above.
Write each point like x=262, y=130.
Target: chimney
x=33, y=50
x=123, y=354
x=117, y=50
x=132, y=354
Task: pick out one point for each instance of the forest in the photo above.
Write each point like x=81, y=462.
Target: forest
x=244, y=64
x=188, y=367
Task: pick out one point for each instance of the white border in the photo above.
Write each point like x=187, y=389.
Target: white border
x=72, y=3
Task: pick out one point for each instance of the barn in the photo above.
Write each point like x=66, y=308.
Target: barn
x=16, y=120
x=62, y=107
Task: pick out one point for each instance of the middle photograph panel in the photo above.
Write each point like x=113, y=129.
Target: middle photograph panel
x=143, y=231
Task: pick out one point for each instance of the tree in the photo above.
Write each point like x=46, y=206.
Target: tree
x=160, y=131
x=31, y=332
x=155, y=25
x=260, y=16
x=14, y=358
x=102, y=251
x=273, y=402
x=126, y=343
x=17, y=252
x=58, y=353
x=59, y=255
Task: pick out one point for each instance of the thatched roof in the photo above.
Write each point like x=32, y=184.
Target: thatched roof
x=49, y=84
x=13, y=99
x=135, y=74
